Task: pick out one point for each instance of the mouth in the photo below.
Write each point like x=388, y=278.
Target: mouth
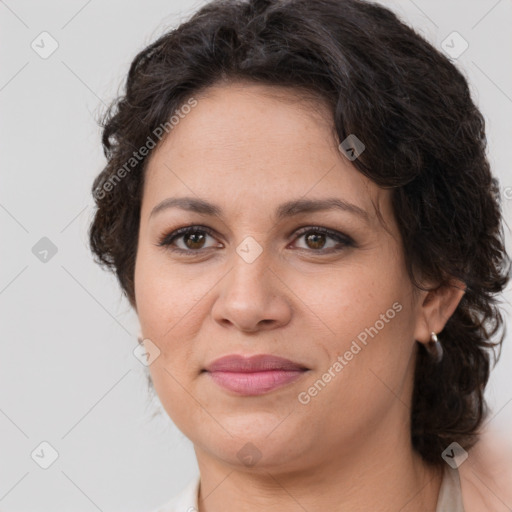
x=256, y=375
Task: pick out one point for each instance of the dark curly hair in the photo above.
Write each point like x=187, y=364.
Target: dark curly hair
x=425, y=140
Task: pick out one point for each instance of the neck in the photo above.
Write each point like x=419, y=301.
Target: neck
x=347, y=481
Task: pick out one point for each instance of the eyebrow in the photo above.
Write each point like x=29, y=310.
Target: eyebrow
x=285, y=210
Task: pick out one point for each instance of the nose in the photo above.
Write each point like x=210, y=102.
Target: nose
x=252, y=297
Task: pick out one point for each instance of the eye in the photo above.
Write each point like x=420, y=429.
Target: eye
x=193, y=238
x=315, y=239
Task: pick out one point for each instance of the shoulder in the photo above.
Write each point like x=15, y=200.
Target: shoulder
x=184, y=501
x=486, y=475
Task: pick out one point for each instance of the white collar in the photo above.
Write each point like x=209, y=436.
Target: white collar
x=185, y=501
x=450, y=494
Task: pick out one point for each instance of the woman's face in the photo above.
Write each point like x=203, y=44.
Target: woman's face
x=250, y=280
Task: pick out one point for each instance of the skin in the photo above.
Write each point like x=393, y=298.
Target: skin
x=249, y=148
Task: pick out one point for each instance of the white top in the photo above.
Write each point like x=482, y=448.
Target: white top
x=449, y=500
x=450, y=494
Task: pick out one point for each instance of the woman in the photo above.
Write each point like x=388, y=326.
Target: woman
x=298, y=206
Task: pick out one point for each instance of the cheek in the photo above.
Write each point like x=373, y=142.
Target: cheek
x=167, y=294
x=172, y=302
x=370, y=316
x=350, y=299
x=167, y=312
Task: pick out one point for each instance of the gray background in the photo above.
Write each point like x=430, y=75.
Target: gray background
x=68, y=375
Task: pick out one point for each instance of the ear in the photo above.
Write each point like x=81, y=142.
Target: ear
x=436, y=307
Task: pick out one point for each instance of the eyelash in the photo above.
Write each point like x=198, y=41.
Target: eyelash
x=167, y=240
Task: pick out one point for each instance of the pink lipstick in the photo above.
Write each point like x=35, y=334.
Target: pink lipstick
x=256, y=375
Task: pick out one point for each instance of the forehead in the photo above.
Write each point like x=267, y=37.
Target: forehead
x=234, y=117
x=246, y=141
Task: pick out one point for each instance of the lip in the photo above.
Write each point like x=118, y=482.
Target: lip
x=250, y=364
x=255, y=375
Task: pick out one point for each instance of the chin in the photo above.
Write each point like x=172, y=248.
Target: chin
x=256, y=449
